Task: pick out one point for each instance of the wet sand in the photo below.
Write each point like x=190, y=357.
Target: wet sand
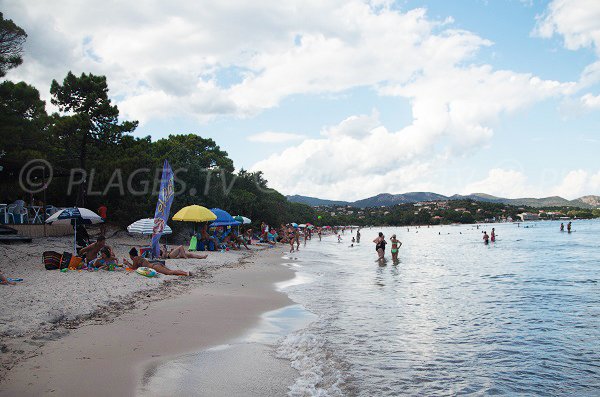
x=116, y=358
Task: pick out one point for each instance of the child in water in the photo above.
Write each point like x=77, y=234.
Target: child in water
x=396, y=244
x=339, y=238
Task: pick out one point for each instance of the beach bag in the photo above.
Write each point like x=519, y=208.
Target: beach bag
x=75, y=263
x=65, y=259
x=51, y=260
x=193, y=244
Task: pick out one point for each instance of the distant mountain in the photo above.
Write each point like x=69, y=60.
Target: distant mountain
x=593, y=201
x=387, y=200
x=314, y=202
x=554, y=201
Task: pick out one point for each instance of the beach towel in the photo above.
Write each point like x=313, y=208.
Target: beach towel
x=193, y=243
x=51, y=260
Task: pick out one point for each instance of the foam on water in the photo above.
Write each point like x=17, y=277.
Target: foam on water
x=517, y=317
x=319, y=373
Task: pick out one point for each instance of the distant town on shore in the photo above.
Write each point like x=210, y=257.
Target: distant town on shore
x=434, y=209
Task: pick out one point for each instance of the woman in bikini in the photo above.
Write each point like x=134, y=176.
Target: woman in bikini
x=138, y=261
x=396, y=244
x=180, y=253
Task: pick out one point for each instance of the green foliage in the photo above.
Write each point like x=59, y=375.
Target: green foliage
x=122, y=171
x=93, y=119
x=12, y=38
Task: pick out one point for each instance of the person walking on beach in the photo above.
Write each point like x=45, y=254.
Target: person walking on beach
x=380, y=246
x=102, y=211
x=291, y=237
x=396, y=244
x=319, y=232
x=486, y=238
x=297, y=237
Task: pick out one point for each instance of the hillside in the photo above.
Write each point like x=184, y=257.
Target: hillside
x=313, y=201
x=388, y=200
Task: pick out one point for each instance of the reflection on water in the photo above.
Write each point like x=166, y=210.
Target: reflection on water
x=520, y=316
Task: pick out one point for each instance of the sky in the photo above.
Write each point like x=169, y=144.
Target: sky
x=345, y=99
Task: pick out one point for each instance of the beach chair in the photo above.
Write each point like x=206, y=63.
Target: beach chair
x=17, y=213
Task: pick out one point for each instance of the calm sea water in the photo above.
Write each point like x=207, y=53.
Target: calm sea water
x=520, y=316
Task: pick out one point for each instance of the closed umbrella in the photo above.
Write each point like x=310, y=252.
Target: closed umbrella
x=145, y=227
x=73, y=216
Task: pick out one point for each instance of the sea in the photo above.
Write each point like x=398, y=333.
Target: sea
x=517, y=317
x=452, y=317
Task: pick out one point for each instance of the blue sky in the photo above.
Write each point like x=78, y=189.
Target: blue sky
x=348, y=99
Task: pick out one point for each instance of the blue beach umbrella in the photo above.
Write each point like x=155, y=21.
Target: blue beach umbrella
x=223, y=218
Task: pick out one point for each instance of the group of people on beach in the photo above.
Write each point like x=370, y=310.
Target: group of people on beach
x=290, y=234
x=98, y=255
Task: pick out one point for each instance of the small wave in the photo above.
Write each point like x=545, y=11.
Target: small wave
x=319, y=373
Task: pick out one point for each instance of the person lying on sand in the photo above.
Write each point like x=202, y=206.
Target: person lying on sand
x=138, y=261
x=91, y=251
x=5, y=281
x=180, y=253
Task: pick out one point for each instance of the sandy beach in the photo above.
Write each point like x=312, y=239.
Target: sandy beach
x=99, y=333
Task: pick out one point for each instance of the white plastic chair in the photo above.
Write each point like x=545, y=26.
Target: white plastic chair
x=17, y=211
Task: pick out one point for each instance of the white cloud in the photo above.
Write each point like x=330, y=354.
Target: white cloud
x=577, y=21
x=236, y=59
x=590, y=101
x=274, y=137
x=577, y=183
x=354, y=126
x=515, y=184
x=502, y=183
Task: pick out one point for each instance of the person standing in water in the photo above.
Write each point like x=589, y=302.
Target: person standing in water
x=493, y=235
x=562, y=227
x=396, y=244
x=569, y=227
x=486, y=238
x=380, y=245
x=358, y=235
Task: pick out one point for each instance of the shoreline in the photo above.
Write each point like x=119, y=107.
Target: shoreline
x=214, y=311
